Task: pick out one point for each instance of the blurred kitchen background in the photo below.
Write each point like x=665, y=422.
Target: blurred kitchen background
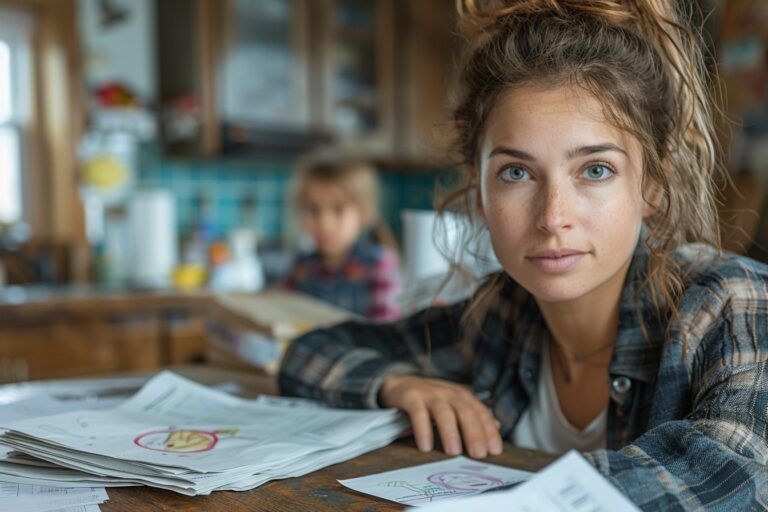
x=136, y=136
x=199, y=110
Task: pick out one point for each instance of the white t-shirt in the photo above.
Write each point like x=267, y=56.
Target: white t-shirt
x=543, y=426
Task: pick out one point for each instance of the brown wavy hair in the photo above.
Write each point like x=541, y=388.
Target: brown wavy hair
x=644, y=60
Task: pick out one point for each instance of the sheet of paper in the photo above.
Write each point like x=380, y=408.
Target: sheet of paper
x=282, y=401
x=79, y=390
x=86, y=508
x=570, y=484
x=452, y=478
x=29, y=400
x=33, y=406
x=35, y=498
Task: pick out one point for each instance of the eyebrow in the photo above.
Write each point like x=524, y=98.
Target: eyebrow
x=580, y=151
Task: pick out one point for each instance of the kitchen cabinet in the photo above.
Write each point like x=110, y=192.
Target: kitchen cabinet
x=234, y=75
x=428, y=48
x=367, y=76
x=79, y=346
x=185, y=63
x=356, y=69
x=264, y=74
x=75, y=332
x=183, y=337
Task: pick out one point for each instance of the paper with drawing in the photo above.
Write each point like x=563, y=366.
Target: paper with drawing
x=426, y=483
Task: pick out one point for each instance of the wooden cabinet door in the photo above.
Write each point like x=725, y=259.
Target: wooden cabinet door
x=71, y=347
x=184, y=338
x=428, y=51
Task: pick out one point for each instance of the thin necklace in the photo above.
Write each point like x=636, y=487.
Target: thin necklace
x=577, y=358
x=581, y=357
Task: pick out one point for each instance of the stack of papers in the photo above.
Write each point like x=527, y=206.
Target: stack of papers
x=34, y=498
x=256, y=329
x=41, y=498
x=178, y=435
x=282, y=314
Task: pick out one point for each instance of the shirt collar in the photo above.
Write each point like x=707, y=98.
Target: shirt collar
x=637, y=353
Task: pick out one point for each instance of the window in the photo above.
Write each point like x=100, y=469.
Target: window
x=15, y=86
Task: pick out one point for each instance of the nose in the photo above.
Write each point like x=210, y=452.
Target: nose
x=326, y=222
x=553, y=215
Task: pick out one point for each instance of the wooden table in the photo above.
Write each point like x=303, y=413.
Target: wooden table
x=315, y=492
x=318, y=491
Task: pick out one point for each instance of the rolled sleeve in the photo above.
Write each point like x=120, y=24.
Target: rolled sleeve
x=345, y=365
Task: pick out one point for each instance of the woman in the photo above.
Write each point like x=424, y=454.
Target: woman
x=586, y=131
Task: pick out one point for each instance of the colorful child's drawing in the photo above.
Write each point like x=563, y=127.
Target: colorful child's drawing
x=435, y=481
x=465, y=481
x=446, y=484
x=181, y=440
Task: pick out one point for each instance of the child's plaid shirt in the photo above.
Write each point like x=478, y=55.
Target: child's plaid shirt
x=367, y=283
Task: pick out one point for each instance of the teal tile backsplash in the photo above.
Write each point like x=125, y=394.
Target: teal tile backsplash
x=227, y=182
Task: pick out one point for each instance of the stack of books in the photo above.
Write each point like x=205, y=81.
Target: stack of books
x=252, y=331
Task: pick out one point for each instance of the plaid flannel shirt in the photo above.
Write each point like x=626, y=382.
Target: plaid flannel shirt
x=366, y=283
x=686, y=429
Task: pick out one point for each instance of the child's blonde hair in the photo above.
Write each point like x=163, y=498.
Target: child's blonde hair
x=644, y=63
x=358, y=181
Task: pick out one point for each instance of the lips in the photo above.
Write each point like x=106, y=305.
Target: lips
x=556, y=261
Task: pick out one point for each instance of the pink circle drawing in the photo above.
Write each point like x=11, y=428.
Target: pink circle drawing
x=465, y=481
x=177, y=441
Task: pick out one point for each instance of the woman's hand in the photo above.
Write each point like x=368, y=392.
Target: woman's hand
x=453, y=408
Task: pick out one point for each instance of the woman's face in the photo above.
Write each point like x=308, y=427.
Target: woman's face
x=560, y=190
x=331, y=218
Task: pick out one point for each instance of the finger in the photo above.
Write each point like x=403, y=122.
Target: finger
x=473, y=431
x=422, y=427
x=492, y=435
x=447, y=426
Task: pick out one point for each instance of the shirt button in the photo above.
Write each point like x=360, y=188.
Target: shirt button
x=620, y=387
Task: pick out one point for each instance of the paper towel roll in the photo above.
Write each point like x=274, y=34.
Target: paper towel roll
x=154, y=250
x=420, y=254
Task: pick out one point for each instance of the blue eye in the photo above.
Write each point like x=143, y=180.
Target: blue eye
x=513, y=174
x=597, y=172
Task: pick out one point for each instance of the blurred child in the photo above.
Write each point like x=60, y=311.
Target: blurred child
x=354, y=264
